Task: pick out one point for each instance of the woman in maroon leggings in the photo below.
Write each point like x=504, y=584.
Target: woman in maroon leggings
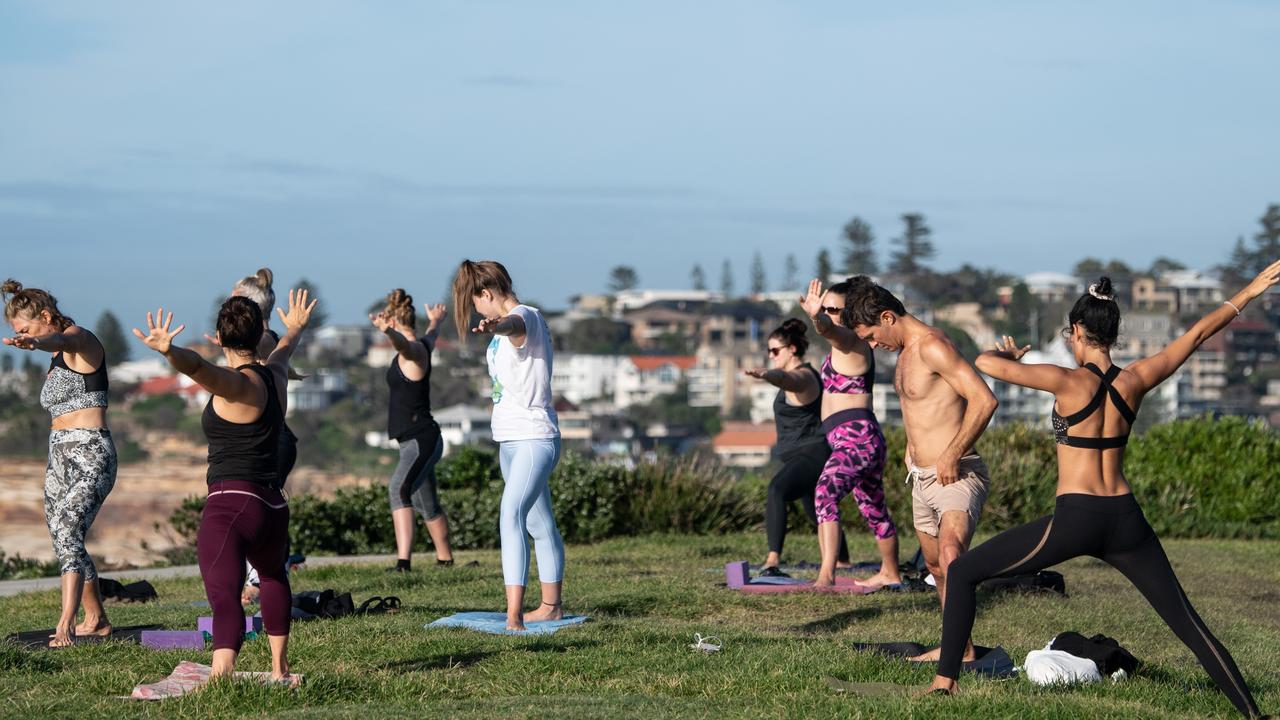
x=245, y=517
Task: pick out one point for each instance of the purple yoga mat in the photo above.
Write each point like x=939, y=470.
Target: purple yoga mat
x=252, y=623
x=844, y=585
x=173, y=639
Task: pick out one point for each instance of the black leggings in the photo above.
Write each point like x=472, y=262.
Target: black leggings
x=1112, y=529
x=796, y=481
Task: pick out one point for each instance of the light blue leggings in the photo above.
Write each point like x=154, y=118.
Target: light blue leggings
x=526, y=510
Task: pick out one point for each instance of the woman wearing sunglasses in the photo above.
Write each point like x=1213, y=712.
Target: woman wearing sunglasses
x=801, y=447
x=857, y=445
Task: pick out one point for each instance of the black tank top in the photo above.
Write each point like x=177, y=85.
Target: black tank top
x=799, y=427
x=409, y=407
x=246, y=451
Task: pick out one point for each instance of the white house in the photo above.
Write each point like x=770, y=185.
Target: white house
x=464, y=425
x=579, y=377
x=318, y=391
x=744, y=444
x=641, y=378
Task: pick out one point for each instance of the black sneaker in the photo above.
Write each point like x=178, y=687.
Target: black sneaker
x=773, y=571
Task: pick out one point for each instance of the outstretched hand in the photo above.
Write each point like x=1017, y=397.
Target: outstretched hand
x=757, y=373
x=1266, y=279
x=1008, y=348
x=380, y=320
x=299, y=310
x=486, y=325
x=22, y=342
x=812, y=301
x=435, y=313
x=158, y=337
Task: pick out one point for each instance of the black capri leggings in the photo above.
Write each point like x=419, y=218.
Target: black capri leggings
x=1112, y=529
x=796, y=481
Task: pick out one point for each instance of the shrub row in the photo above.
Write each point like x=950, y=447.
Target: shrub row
x=1194, y=478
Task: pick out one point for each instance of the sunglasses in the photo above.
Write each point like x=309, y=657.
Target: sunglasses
x=773, y=351
x=832, y=310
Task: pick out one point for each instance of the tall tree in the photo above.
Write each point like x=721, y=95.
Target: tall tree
x=726, y=279
x=1240, y=265
x=698, y=278
x=791, y=271
x=758, y=283
x=622, y=278
x=1267, y=241
x=318, y=316
x=111, y=335
x=1089, y=267
x=860, y=253
x=1162, y=265
x=822, y=266
x=915, y=245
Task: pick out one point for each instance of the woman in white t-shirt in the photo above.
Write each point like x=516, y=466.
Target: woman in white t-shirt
x=525, y=428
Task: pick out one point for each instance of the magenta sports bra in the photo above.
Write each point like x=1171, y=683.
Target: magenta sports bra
x=837, y=384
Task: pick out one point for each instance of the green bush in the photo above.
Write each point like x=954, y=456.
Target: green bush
x=20, y=568
x=1195, y=478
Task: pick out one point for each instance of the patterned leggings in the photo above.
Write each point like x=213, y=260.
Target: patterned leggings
x=81, y=472
x=856, y=463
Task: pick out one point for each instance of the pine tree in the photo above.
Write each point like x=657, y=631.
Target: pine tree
x=916, y=247
x=110, y=333
x=697, y=278
x=758, y=283
x=860, y=255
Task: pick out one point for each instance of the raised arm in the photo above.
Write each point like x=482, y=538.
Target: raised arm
x=74, y=340
x=841, y=338
x=401, y=338
x=510, y=325
x=941, y=357
x=435, y=315
x=295, y=320
x=1156, y=369
x=1004, y=363
x=224, y=382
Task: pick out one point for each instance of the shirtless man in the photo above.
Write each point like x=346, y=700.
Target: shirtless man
x=945, y=407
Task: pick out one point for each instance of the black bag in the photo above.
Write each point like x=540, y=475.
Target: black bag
x=1043, y=581
x=140, y=591
x=324, y=603
x=1105, y=652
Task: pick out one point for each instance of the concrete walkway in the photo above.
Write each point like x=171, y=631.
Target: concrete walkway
x=14, y=587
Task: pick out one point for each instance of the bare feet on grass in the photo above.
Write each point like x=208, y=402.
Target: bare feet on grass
x=933, y=655
x=98, y=627
x=882, y=579
x=545, y=611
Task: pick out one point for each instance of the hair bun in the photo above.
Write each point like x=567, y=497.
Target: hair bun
x=794, y=328
x=10, y=287
x=265, y=277
x=1102, y=289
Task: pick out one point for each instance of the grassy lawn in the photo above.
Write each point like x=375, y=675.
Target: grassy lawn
x=648, y=596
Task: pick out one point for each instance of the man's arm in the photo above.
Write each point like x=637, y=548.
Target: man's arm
x=941, y=357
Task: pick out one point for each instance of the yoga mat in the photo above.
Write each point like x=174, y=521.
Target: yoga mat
x=843, y=586
x=173, y=639
x=495, y=623
x=252, y=623
x=189, y=676
x=993, y=662
x=39, y=639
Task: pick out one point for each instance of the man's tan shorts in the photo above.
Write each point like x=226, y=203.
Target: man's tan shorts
x=929, y=499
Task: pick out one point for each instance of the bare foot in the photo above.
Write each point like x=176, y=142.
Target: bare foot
x=936, y=653
x=942, y=686
x=516, y=623
x=824, y=581
x=843, y=565
x=881, y=579
x=545, y=611
x=98, y=628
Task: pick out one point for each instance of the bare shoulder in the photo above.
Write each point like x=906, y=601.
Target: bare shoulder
x=936, y=349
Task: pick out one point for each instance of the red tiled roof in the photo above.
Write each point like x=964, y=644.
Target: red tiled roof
x=162, y=385
x=647, y=363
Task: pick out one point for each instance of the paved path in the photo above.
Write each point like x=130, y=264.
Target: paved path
x=14, y=587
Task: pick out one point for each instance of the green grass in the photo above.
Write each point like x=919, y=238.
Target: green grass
x=648, y=596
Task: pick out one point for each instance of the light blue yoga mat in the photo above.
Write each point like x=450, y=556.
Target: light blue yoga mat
x=778, y=581
x=495, y=623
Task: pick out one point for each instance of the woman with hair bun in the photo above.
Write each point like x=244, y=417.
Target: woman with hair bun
x=1095, y=513
x=525, y=427
x=801, y=446
x=246, y=516
x=82, y=456
x=409, y=423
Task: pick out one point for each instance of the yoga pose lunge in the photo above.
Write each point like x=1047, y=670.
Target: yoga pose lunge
x=409, y=423
x=945, y=407
x=801, y=446
x=245, y=516
x=257, y=287
x=524, y=426
x=1095, y=513
x=857, y=445
x=82, y=456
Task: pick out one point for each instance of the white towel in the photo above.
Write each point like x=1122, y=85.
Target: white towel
x=1055, y=667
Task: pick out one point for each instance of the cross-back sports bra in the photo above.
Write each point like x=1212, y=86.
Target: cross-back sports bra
x=1105, y=388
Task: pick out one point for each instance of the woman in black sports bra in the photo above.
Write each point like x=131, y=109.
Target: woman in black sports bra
x=1096, y=513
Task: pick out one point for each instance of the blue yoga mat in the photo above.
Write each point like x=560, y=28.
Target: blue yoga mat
x=778, y=581
x=495, y=623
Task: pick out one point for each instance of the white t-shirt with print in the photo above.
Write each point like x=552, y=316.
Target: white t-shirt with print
x=523, y=408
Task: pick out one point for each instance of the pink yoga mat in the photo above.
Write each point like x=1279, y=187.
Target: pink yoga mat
x=844, y=585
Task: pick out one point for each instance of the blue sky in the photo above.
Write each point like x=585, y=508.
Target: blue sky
x=153, y=152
